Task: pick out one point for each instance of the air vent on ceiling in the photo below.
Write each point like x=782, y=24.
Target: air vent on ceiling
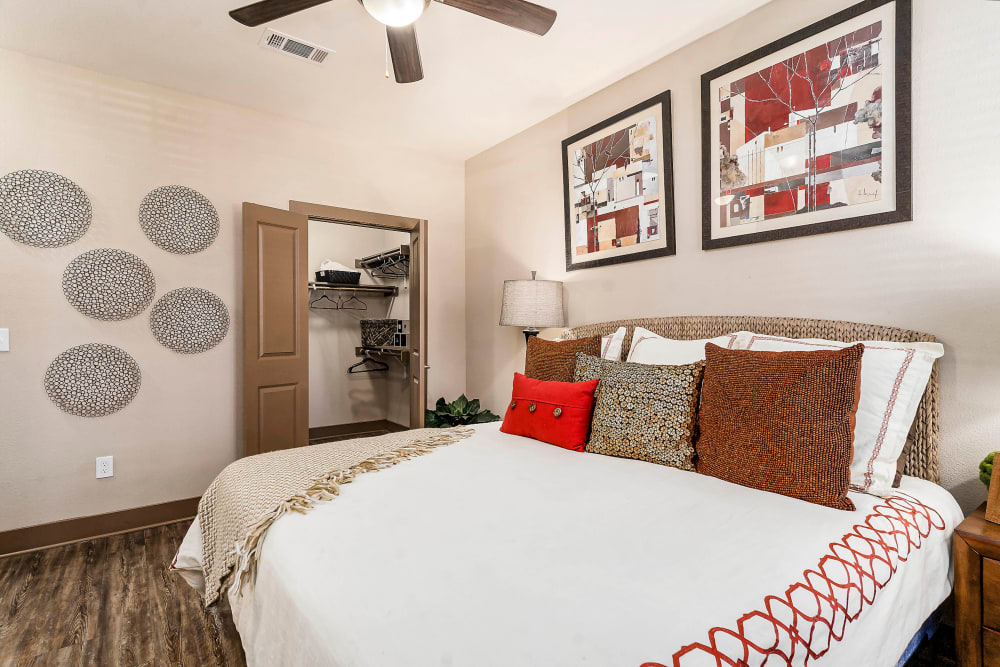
x=273, y=40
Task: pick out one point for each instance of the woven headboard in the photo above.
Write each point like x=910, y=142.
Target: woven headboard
x=923, y=459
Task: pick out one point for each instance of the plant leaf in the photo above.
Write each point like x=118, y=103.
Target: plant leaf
x=484, y=417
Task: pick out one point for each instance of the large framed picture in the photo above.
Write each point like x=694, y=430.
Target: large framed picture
x=618, y=188
x=810, y=134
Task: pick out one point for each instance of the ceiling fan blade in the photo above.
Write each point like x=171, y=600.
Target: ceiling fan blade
x=515, y=13
x=405, y=54
x=261, y=12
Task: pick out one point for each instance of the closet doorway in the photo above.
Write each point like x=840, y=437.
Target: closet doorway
x=309, y=373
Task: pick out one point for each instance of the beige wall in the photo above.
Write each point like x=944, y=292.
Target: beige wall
x=938, y=273
x=118, y=139
x=335, y=397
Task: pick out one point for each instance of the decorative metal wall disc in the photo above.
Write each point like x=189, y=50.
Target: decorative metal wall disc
x=109, y=284
x=42, y=209
x=178, y=219
x=189, y=320
x=92, y=380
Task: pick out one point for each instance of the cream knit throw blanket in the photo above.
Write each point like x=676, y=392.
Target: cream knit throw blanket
x=251, y=493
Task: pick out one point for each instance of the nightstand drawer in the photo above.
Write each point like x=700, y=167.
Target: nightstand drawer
x=991, y=647
x=991, y=593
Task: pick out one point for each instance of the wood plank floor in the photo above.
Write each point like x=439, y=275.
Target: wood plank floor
x=112, y=601
x=319, y=435
x=109, y=601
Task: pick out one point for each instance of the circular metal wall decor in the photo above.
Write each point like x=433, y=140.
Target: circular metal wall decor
x=108, y=284
x=42, y=209
x=92, y=380
x=189, y=320
x=178, y=219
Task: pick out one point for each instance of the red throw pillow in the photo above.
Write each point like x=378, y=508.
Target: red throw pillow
x=554, y=412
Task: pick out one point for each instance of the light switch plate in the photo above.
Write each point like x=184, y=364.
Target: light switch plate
x=105, y=466
x=4, y=340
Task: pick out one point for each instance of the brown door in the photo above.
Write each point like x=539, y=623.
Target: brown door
x=419, y=364
x=275, y=330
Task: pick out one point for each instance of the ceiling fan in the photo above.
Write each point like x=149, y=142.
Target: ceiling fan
x=399, y=16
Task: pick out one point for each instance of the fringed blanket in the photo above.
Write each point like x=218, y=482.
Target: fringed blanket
x=249, y=494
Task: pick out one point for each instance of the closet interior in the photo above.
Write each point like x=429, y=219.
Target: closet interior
x=359, y=336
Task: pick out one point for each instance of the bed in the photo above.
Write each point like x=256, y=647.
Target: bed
x=500, y=550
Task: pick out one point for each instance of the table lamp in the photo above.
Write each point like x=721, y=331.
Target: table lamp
x=532, y=304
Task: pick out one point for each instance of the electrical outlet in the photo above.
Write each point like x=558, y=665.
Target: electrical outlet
x=4, y=340
x=105, y=466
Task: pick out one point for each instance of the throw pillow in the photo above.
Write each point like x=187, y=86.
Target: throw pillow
x=641, y=411
x=611, y=346
x=554, y=412
x=555, y=361
x=893, y=379
x=651, y=348
x=781, y=421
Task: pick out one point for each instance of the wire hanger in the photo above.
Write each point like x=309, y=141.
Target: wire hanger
x=336, y=304
x=340, y=303
x=362, y=366
x=354, y=303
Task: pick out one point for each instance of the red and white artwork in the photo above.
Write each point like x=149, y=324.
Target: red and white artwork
x=804, y=134
x=807, y=135
x=618, y=194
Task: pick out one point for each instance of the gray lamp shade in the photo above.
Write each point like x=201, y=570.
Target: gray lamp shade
x=532, y=303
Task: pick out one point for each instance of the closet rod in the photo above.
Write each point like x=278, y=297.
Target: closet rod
x=386, y=290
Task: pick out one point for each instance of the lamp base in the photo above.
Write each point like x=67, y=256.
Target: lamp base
x=528, y=333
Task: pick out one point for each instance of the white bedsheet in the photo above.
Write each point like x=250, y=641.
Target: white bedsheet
x=500, y=550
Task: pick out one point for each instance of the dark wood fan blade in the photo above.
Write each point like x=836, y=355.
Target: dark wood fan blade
x=268, y=10
x=405, y=54
x=515, y=13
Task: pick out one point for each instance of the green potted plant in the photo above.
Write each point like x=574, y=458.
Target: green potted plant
x=459, y=412
x=986, y=470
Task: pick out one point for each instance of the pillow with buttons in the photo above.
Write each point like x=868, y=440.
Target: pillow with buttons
x=554, y=412
x=643, y=411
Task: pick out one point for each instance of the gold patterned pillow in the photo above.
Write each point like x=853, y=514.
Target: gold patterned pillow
x=643, y=411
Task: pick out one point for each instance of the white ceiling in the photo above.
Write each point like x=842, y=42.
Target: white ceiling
x=483, y=81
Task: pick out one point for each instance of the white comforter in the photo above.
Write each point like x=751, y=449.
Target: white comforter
x=500, y=550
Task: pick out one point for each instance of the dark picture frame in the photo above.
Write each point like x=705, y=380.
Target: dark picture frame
x=665, y=186
x=903, y=210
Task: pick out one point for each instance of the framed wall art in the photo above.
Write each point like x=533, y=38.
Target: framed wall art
x=810, y=134
x=618, y=188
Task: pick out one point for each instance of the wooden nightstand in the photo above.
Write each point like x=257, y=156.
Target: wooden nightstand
x=977, y=591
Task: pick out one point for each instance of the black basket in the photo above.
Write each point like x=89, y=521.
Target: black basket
x=339, y=277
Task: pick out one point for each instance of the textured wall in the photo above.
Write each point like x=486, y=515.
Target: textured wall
x=118, y=139
x=936, y=274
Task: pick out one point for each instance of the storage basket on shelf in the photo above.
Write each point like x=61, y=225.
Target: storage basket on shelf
x=384, y=333
x=339, y=277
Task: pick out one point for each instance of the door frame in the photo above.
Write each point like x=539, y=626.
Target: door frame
x=417, y=228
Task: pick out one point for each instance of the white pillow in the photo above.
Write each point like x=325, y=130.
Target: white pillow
x=651, y=348
x=611, y=346
x=893, y=379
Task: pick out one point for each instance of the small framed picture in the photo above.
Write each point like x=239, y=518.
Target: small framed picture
x=618, y=188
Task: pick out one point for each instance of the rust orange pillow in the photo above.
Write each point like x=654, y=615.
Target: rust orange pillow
x=555, y=361
x=781, y=421
x=554, y=412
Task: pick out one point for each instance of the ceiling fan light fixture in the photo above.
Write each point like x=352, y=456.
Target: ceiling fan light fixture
x=395, y=13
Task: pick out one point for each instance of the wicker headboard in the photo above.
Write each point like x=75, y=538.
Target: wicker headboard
x=923, y=459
